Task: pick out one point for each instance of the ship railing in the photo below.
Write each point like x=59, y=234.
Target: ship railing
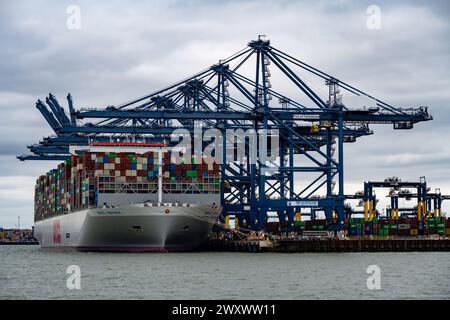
x=209, y=185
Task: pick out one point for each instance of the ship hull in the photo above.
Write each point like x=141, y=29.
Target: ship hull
x=135, y=228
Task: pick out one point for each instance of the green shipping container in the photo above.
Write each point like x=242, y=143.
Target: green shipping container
x=191, y=173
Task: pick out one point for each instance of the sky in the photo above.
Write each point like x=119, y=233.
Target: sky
x=123, y=51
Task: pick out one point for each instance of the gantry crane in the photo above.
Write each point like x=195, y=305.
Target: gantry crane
x=239, y=93
x=428, y=203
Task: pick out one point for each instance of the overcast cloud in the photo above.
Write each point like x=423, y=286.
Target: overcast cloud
x=123, y=51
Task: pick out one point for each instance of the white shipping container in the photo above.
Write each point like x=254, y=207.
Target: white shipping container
x=117, y=160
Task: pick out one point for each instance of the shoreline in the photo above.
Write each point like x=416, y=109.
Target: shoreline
x=18, y=243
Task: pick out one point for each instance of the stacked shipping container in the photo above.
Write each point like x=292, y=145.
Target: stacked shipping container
x=377, y=227
x=75, y=184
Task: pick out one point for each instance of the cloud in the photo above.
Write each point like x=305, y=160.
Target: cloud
x=16, y=188
x=125, y=51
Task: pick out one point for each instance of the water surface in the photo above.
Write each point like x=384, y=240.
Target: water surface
x=28, y=272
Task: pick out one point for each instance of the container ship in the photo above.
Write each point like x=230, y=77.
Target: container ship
x=127, y=197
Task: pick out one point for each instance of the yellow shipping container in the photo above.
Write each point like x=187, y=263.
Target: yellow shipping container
x=447, y=231
x=414, y=232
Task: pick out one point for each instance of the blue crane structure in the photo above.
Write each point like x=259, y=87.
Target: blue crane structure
x=237, y=93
